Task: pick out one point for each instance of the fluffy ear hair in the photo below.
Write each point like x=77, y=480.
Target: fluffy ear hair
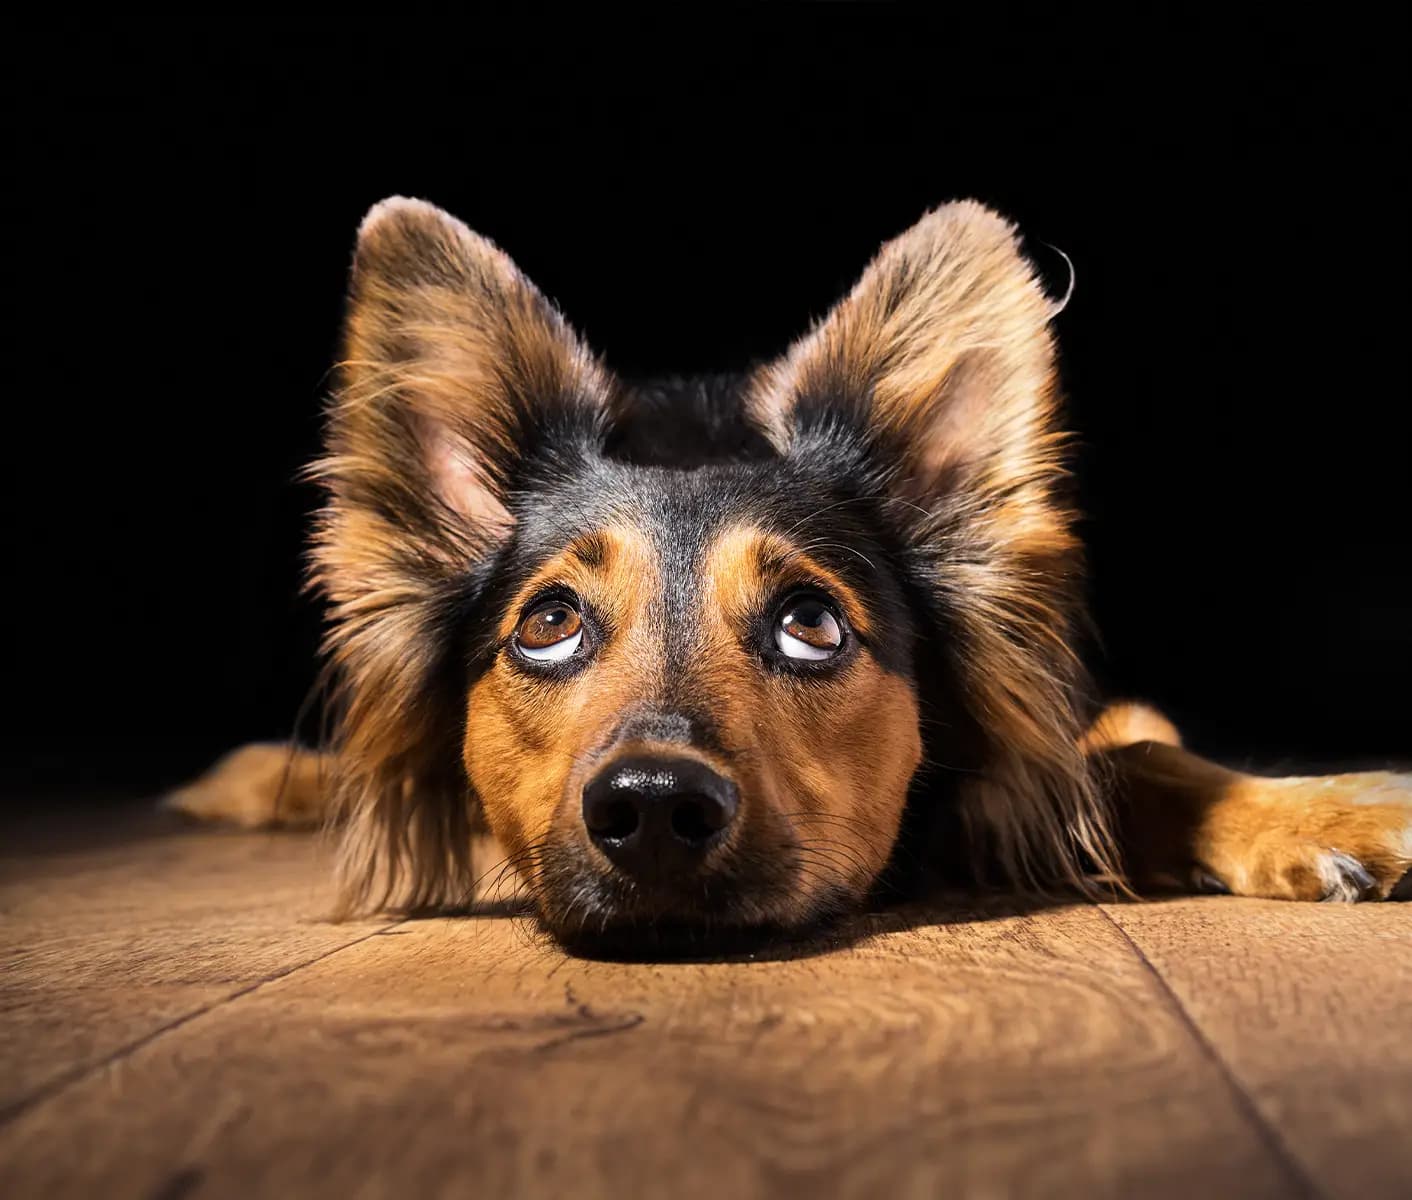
x=459, y=381
x=938, y=371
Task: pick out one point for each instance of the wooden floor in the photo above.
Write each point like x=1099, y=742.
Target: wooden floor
x=176, y=1021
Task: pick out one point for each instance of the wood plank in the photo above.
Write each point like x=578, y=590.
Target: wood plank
x=1310, y=1006
x=956, y=1049
x=104, y=945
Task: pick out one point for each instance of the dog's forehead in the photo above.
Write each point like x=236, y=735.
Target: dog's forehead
x=680, y=514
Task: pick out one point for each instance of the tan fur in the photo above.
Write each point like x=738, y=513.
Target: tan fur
x=264, y=785
x=1125, y=723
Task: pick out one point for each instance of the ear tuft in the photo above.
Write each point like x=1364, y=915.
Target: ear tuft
x=402, y=210
x=406, y=241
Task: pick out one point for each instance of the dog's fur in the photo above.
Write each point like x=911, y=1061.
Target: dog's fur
x=903, y=460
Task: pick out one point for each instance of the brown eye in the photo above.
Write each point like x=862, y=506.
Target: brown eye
x=553, y=631
x=808, y=629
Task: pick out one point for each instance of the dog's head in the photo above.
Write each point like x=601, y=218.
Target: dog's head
x=698, y=694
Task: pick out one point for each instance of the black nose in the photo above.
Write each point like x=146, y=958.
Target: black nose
x=653, y=815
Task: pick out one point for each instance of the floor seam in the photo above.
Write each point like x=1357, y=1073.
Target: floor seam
x=1245, y=1102
x=17, y=1108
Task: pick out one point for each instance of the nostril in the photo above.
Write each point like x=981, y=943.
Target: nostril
x=696, y=818
x=616, y=819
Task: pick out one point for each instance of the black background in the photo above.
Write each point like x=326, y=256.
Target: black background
x=692, y=189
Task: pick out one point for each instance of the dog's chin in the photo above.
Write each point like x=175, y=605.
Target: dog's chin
x=594, y=917
x=648, y=941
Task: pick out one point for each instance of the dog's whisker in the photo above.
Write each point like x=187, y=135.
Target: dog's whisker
x=840, y=857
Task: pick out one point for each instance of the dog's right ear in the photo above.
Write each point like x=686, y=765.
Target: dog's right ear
x=458, y=375
x=459, y=382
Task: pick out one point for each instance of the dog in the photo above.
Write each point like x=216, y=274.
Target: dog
x=720, y=656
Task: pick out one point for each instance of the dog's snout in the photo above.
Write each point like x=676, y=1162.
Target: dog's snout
x=656, y=815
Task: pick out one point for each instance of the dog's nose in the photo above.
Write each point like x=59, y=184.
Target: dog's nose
x=654, y=815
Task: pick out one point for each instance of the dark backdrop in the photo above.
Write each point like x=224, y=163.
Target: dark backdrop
x=692, y=190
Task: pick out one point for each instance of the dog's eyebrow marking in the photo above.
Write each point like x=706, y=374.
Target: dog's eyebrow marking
x=608, y=564
x=754, y=562
x=591, y=549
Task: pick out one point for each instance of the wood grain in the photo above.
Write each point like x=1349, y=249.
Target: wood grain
x=102, y=946
x=956, y=1048
x=1310, y=1006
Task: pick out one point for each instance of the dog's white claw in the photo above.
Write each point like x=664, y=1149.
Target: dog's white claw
x=1344, y=877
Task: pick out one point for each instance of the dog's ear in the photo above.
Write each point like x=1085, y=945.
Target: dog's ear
x=458, y=377
x=459, y=382
x=940, y=358
x=935, y=376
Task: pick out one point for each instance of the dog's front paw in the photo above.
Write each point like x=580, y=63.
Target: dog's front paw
x=260, y=786
x=1339, y=837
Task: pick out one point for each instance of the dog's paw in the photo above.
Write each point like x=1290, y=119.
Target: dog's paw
x=1339, y=837
x=259, y=786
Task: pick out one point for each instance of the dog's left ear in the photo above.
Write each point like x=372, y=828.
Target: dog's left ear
x=934, y=381
x=940, y=358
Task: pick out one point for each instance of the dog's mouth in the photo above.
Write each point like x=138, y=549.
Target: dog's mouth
x=738, y=908
x=635, y=941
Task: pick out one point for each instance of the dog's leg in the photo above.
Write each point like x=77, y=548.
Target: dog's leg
x=265, y=785
x=1189, y=823
x=273, y=785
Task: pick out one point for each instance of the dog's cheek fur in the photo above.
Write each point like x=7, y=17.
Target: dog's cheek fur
x=518, y=752
x=838, y=763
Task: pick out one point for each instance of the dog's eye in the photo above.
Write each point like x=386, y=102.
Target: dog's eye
x=553, y=631
x=808, y=629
